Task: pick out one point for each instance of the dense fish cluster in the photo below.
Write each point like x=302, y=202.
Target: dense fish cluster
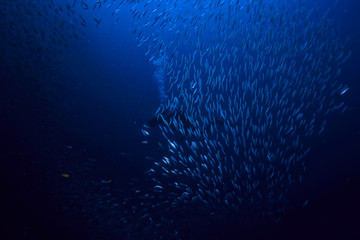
x=160, y=77
x=35, y=33
x=243, y=84
x=248, y=83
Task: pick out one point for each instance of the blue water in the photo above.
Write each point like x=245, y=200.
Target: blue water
x=73, y=149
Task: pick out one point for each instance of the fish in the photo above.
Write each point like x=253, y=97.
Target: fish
x=145, y=133
x=241, y=79
x=344, y=91
x=98, y=21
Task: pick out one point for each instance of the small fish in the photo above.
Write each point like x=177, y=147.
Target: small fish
x=145, y=133
x=65, y=175
x=98, y=21
x=344, y=91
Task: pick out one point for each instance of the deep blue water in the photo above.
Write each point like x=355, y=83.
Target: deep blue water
x=83, y=117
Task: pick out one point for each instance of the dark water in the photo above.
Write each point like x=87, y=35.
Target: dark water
x=72, y=143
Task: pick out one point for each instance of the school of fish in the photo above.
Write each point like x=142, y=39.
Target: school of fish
x=255, y=79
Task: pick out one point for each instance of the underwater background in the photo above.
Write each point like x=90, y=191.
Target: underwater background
x=164, y=119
